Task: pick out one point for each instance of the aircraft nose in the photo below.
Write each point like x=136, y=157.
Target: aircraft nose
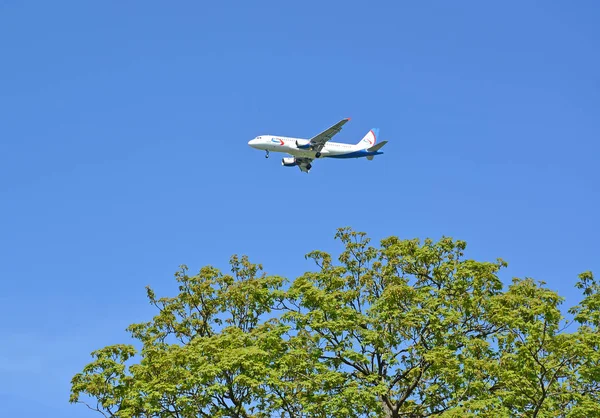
x=253, y=142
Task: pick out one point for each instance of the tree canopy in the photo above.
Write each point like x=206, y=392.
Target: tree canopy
x=408, y=328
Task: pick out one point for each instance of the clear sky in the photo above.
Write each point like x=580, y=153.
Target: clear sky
x=123, y=151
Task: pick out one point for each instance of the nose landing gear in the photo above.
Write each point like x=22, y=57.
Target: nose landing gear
x=267, y=155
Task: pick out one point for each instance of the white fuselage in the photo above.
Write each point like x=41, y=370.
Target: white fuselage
x=293, y=146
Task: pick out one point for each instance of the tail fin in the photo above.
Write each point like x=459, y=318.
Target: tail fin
x=369, y=139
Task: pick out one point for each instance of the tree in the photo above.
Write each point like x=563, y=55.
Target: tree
x=406, y=329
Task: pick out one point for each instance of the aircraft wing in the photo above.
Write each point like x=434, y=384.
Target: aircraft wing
x=318, y=142
x=304, y=164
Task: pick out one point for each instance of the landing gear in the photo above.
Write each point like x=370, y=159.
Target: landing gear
x=308, y=167
x=267, y=155
x=318, y=154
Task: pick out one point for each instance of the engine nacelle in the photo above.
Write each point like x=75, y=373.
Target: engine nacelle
x=289, y=162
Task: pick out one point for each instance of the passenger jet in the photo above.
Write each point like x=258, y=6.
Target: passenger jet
x=304, y=151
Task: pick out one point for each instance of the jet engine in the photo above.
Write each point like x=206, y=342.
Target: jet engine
x=288, y=162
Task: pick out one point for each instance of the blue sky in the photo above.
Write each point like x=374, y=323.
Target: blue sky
x=123, y=151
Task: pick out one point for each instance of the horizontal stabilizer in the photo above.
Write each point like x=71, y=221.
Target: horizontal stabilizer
x=377, y=147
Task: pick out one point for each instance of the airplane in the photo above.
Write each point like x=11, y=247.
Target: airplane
x=304, y=151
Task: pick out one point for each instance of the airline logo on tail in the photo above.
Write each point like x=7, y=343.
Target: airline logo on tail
x=370, y=138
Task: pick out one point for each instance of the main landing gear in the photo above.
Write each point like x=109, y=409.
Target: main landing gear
x=267, y=155
x=318, y=154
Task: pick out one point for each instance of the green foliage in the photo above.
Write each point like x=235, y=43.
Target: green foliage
x=406, y=329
